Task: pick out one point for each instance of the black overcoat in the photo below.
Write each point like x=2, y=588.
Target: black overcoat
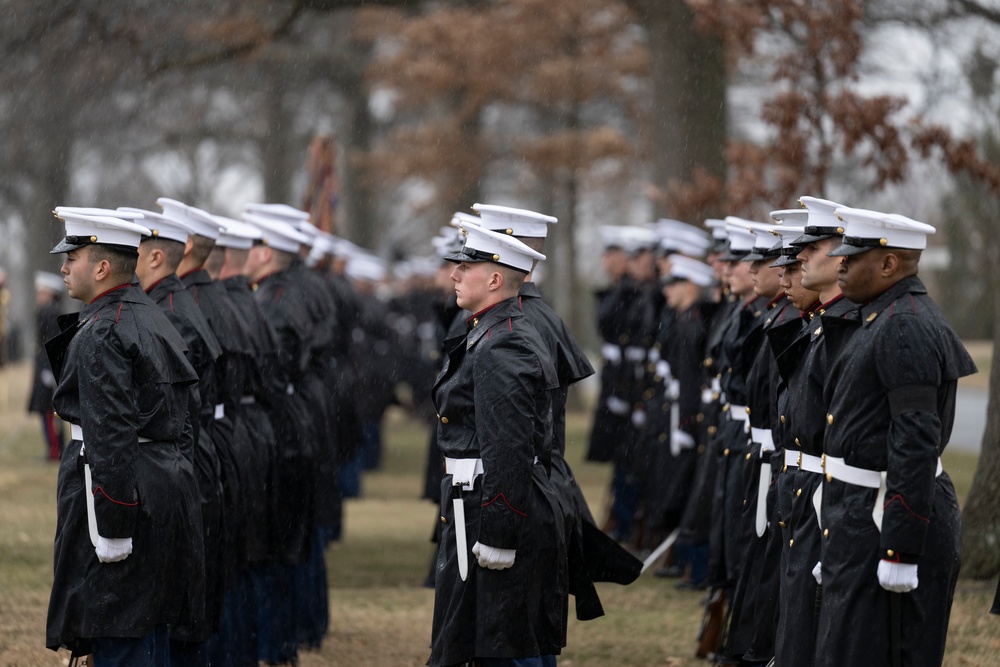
x=802, y=359
x=493, y=400
x=892, y=407
x=122, y=375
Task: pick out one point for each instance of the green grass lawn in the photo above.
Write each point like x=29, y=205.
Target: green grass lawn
x=380, y=613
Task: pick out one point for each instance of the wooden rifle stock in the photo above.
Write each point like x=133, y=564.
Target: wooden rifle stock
x=713, y=620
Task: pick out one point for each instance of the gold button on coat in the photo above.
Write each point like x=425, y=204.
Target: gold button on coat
x=444, y=420
x=826, y=533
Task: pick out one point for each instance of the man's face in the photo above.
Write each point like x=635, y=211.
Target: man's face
x=78, y=274
x=858, y=277
x=739, y=278
x=791, y=282
x=614, y=262
x=256, y=259
x=642, y=265
x=472, y=284
x=142, y=267
x=764, y=278
x=819, y=270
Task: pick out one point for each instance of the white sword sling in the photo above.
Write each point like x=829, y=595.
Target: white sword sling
x=463, y=474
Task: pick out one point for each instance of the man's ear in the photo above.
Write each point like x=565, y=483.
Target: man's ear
x=889, y=265
x=102, y=269
x=188, y=246
x=496, y=281
x=155, y=258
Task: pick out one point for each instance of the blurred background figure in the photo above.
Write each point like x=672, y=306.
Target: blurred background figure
x=49, y=289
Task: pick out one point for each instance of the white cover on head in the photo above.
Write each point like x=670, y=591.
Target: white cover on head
x=199, y=222
x=514, y=221
x=891, y=230
x=236, y=234
x=688, y=268
x=500, y=248
x=102, y=230
x=276, y=233
x=160, y=226
x=49, y=281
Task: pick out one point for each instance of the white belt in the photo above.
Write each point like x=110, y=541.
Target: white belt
x=806, y=462
x=463, y=471
x=248, y=400
x=738, y=413
x=611, y=353
x=836, y=468
x=764, y=437
x=873, y=479
x=634, y=353
x=618, y=406
x=76, y=433
x=220, y=411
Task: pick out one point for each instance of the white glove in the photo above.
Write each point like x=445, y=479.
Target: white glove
x=683, y=439
x=897, y=577
x=674, y=390
x=639, y=418
x=818, y=573
x=114, y=549
x=492, y=558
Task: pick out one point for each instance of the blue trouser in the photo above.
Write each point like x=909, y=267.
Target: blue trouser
x=312, y=613
x=153, y=650
x=624, y=501
x=276, y=641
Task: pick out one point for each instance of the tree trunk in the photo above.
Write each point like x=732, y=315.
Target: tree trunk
x=981, y=513
x=356, y=214
x=278, y=141
x=688, y=75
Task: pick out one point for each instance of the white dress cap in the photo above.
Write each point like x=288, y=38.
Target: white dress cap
x=611, y=237
x=788, y=235
x=635, y=238
x=482, y=245
x=821, y=221
x=83, y=230
x=199, y=222
x=514, y=221
x=460, y=218
x=308, y=230
x=50, y=281
x=160, y=226
x=284, y=212
x=365, y=267
x=718, y=228
x=693, y=270
x=236, y=234
x=447, y=241
x=796, y=216
x=276, y=233
x=121, y=214
x=741, y=238
x=866, y=229
x=680, y=237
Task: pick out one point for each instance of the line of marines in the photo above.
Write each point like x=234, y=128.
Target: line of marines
x=781, y=410
x=222, y=384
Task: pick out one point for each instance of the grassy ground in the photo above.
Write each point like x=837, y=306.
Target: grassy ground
x=380, y=613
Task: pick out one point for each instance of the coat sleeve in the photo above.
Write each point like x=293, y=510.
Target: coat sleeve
x=109, y=408
x=509, y=392
x=910, y=366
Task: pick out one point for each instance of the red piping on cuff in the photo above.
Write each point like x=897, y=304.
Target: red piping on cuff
x=500, y=495
x=116, y=502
